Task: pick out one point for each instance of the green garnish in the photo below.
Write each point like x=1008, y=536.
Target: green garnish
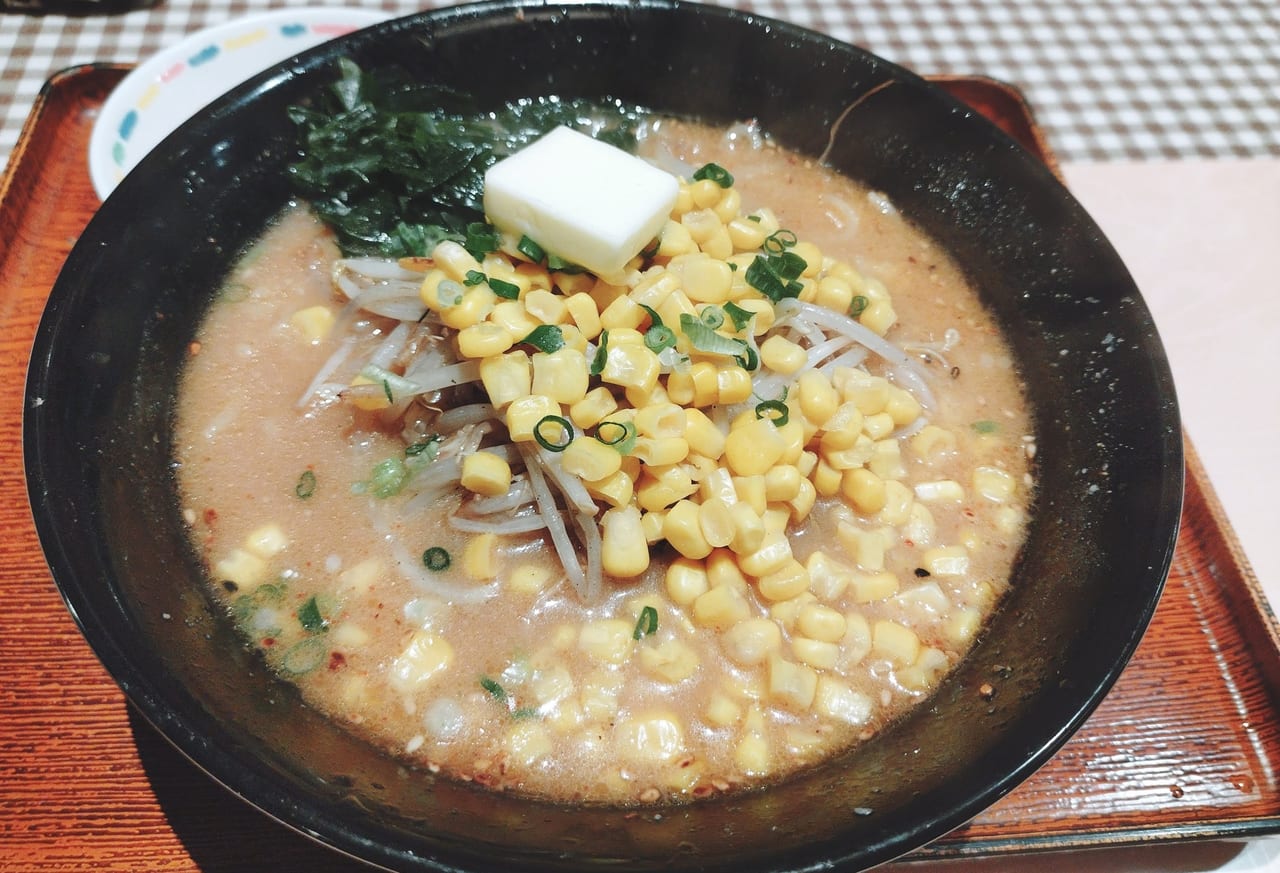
x=715, y=173
x=739, y=316
x=311, y=619
x=481, y=239
x=602, y=354
x=429, y=447
x=617, y=435
x=306, y=485
x=387, y=479
x=858, y=306
x=774, y=410
x=473, y=278
x=436, y=559
x=530, y=249
x=504, y=289
x=381, y=145
x=704, y=339
x=659, y=337
x=496, y=691
x=545, y=338
x=304, y=656
x=712, y=316
x=647, y=624
x=566, y=433
x=386, y=389
x=985, y=426
x=775, y=276
x=557, y=264
x=779, y=241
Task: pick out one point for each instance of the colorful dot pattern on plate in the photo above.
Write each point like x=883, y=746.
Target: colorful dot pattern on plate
x=205, y=55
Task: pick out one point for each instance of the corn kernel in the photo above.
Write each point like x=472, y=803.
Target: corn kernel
x=702, y=434
x=864, y=489
x=933, y=443
x=506, y=377
x=707, y=280
x=751, y=642
x=478, y=557
x=720, y=607
x=486, y=474
x=820, y=622
x=791, y=685
x=894, y=641
x=872, y=587
x=782, y=483
x=994, y=484
x=524, y=413
x=946, y=561
x=773, y=555
x=630, y=365
x=828, y=578
x=476, y=304
x=590, y=460
x=722, y=711
x=624, y=550
x=314, y=322
x=750, y=490
x=939, y=491
x=722, y=569
x=879, y=316
x=594, y=407
x=528, y=578
x=754, y=447
x=782, y=355
x=511, y=315
x=606, y=641
x=266, y=541
x=788, y=581
x=675, y=239
x=426, y=656
x=244, y=568
x=484, y=340
x=681, y=529
x=669, y=661
x=837, y=700
x=686, y=580
x=562, y=375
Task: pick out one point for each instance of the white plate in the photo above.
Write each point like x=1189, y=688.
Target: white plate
x=172, y=85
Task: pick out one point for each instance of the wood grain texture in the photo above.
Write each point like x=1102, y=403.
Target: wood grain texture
x=1185, y=746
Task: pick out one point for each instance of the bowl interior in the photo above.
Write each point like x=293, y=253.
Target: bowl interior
x=118, y=322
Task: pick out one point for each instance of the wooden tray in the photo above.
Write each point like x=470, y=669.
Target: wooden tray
x=1187, y=745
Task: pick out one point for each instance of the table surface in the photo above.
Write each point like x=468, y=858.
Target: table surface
x=1166, y=116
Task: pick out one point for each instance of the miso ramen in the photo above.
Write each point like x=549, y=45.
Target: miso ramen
x=626, y=539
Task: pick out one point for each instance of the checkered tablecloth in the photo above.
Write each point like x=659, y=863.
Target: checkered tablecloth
x=1109, y=79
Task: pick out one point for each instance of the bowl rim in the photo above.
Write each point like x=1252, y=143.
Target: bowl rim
x=216, y=758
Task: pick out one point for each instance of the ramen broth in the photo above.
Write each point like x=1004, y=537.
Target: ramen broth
x=493, y=668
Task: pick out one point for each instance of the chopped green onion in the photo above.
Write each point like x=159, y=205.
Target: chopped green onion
x=654, y=317
x=659, y=337
x=712, y=316
x=779, y=241
x=763, y=276
x=386, y=389
x=311, y=619
x=304, y=656
x=387, y=479
x=788, y=265
x=557, y=264
x=647, y=624
x=530, y=249
x=985, y=426
x=715, y=173
x=602, y=354
x=524, y=712
x=429, y=446
x=625, y=439
x=505, y=290
x=704, y=339
x=754, y=218
x=774, y=410
x=306, y=485
x=858, y=306
x=749, y=359
x=566, y=433
x=545, y=338
x=651, y=249
x=436, y=559
x=481, y=240
x=739, y=316
x=473, y=278
x=496, y=691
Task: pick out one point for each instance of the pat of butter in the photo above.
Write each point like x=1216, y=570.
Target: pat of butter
x=581, y=199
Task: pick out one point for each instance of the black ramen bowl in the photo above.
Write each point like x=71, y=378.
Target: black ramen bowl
x=100, y=407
